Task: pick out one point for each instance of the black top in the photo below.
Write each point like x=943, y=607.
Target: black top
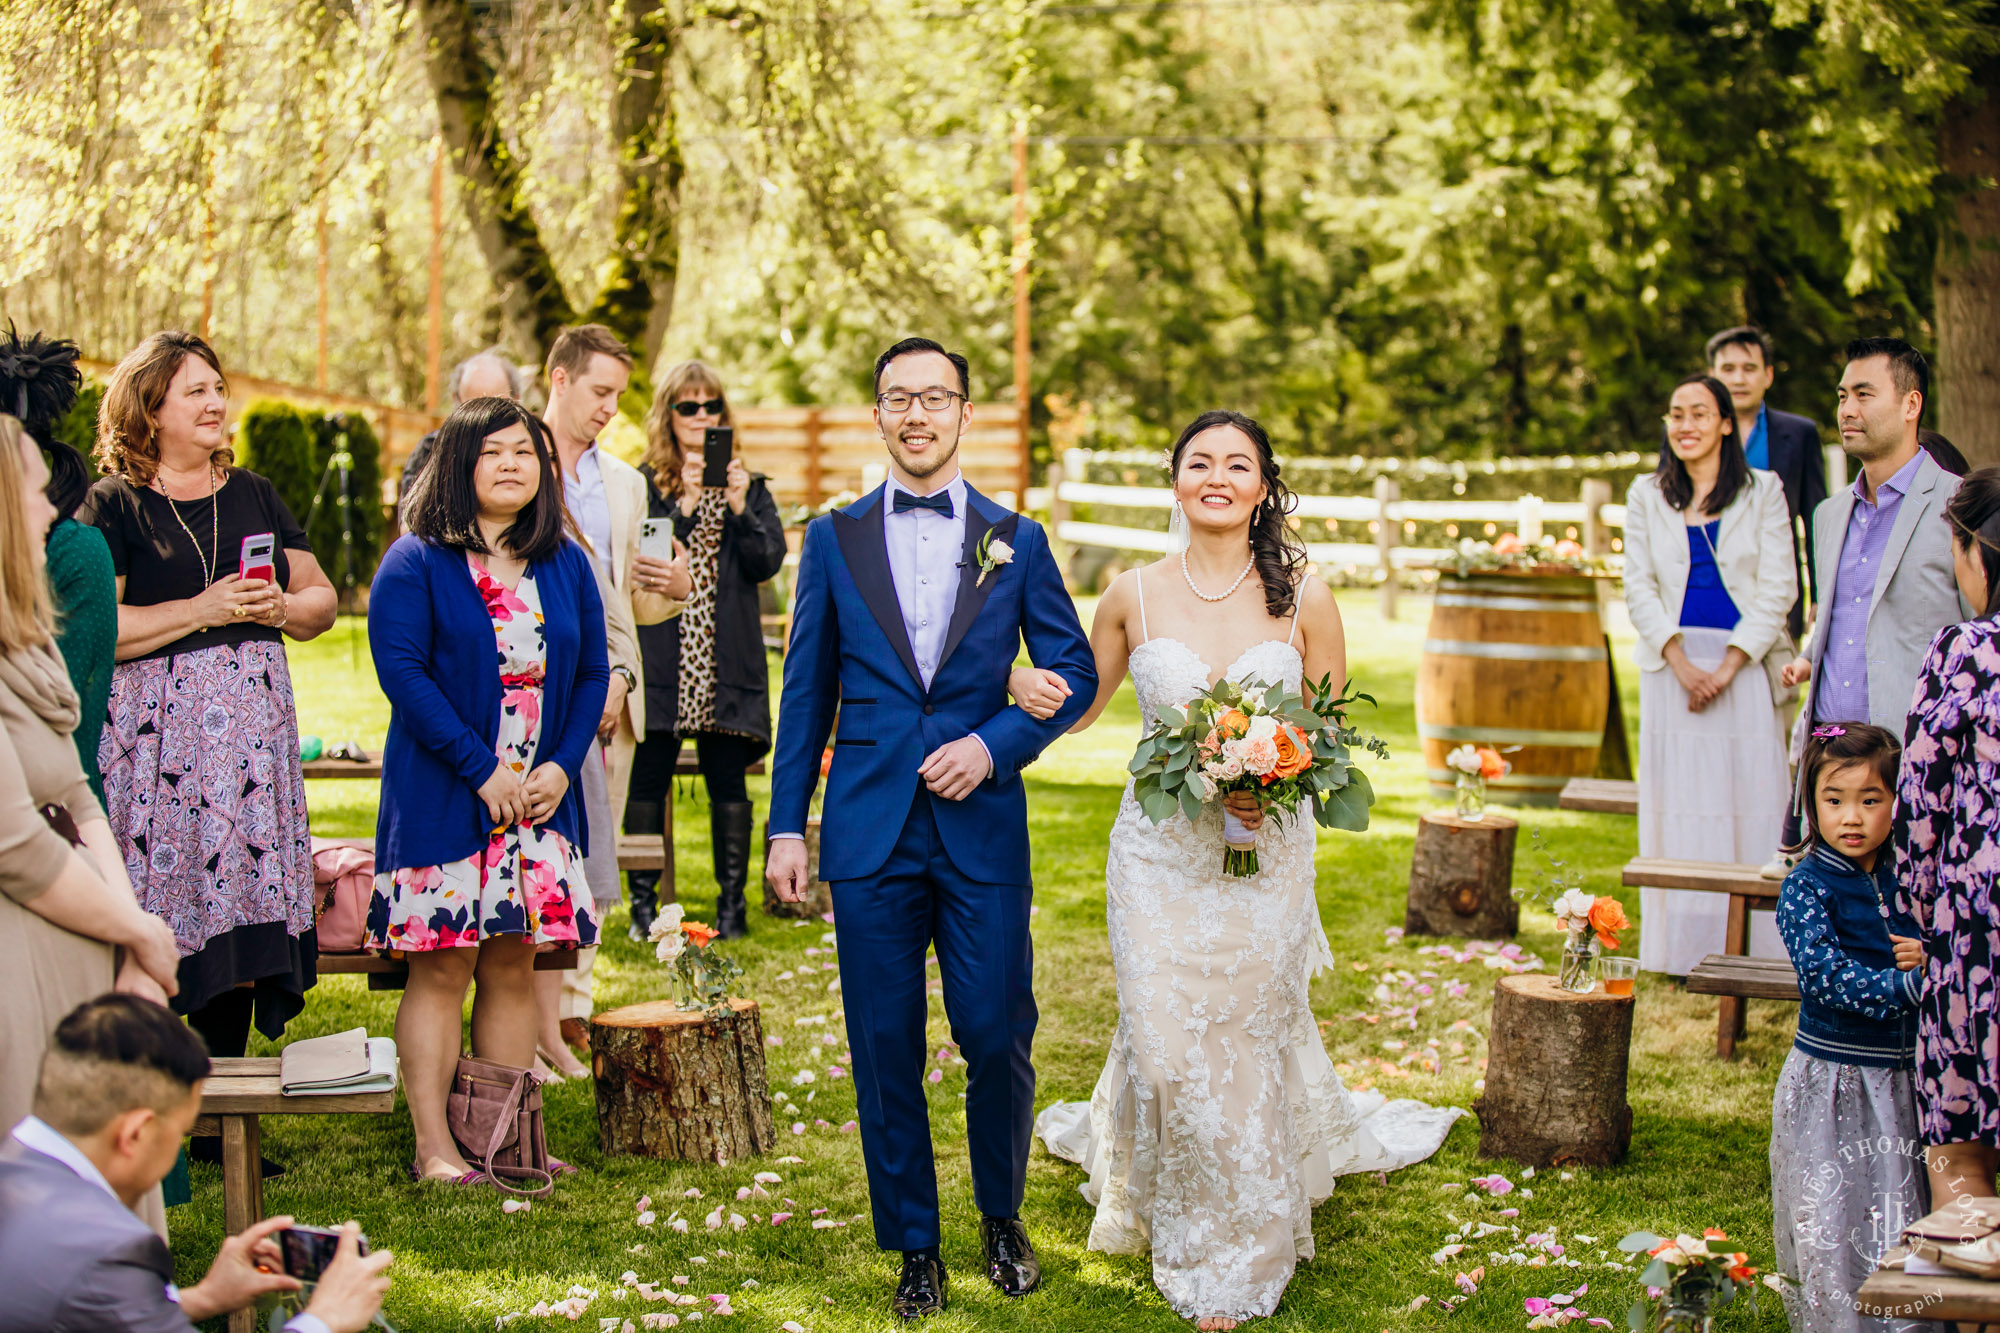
x=752, y=552
x=150, y=549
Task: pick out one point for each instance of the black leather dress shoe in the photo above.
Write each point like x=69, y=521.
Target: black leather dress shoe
x=921, y=1289
x=1010, y=1259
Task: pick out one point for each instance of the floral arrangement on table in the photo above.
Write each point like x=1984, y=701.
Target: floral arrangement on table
x=1511, y=553
x=1288, y=749
x=1589, y=922
x=702, y=974
x=1687, y=1282
x=1476, y=765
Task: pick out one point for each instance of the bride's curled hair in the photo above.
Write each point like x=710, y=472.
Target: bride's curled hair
x=1279, y=555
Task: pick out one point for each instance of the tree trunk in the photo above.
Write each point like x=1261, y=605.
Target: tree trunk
x=680, y=1084
x=638, y=297
x=532, y=300
x=819, y=899
x=1967, y=273
x=1555, y=1075
x=1462, y=877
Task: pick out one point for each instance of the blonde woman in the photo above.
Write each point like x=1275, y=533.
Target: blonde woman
x=66, y=906
x=200, y=753
x=705, y=670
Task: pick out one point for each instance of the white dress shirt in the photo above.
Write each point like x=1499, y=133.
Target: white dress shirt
x=590, y=505
x=36, y=1133
x=925, y=550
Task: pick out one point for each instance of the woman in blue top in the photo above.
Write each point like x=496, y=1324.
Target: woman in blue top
x=1847, y=1163
x=488, y=637
x=1709, y=579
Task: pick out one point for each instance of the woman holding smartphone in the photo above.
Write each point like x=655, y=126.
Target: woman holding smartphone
x=705, y=669
x=200, y=752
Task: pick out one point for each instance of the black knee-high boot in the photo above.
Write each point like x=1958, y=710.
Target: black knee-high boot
x=730, y=826
x=641, y=818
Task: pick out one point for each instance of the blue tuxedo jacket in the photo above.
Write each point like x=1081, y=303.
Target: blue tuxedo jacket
x=850, y=652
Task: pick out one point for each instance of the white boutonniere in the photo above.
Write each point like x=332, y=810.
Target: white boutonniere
x=990, y=555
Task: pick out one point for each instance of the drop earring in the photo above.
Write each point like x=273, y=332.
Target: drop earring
x=1177, y=529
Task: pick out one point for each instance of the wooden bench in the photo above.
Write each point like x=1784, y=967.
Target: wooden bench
x=1890, y=1294
x=347, y=768
x=236, y=1094
x=1748, y=891
x=1610, y=796
x=385, y=973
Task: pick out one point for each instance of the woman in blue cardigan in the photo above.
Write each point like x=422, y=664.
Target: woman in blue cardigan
x=488, y=638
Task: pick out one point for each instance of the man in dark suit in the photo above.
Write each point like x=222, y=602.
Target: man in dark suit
x=1775, y=441
x=119, y=1089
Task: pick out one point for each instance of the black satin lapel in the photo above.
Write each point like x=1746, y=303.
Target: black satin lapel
x=972, y=599
x=866, y=550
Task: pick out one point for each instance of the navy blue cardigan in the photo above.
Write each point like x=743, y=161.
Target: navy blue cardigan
x=435, y=657
x=1856, y=1007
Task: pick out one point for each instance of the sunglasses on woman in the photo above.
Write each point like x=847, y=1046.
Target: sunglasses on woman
x=689, y=407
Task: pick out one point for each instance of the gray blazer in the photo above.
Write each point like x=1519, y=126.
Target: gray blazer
x=1916, y=593
x=76, y=1260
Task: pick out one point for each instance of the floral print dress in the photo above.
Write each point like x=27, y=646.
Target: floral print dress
x=1948, y=870
x=522, y=883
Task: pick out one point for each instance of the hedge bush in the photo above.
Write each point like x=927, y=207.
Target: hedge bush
x=276, y=440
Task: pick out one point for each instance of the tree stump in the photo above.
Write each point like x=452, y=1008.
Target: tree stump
x=681, y=1084
x=1462, y=877
x=1555, y=1075
x=819, y=901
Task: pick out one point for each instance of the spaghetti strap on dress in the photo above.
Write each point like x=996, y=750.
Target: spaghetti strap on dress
x=1139, y=579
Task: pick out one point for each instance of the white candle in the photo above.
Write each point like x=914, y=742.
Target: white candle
x=1531, y=518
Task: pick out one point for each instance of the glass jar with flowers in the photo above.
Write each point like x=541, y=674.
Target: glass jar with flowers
x=1589, y=923
x=701, y=974
x=1475, y=766
x=1687, y=1281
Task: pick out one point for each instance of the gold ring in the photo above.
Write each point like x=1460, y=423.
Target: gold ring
x=238, y=613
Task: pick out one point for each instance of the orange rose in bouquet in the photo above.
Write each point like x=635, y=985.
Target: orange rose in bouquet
x=1294, y=754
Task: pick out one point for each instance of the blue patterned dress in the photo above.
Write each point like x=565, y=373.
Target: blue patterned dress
x=1947, y=868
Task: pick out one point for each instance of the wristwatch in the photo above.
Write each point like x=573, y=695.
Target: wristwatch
x=631, y=681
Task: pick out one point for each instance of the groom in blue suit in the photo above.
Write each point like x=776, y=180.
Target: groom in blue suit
x=912, y=604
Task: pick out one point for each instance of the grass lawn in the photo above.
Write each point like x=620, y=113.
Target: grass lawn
x=1698, y=1154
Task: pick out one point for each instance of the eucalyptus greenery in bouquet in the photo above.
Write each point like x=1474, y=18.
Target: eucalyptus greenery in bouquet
x=1289, y=749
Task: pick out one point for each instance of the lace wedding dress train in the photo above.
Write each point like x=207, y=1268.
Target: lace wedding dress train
x=1219, y=1121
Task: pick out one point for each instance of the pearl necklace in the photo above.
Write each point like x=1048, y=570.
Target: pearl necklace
x=1222, y=596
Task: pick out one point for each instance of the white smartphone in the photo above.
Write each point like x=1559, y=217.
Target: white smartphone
x=656, y=538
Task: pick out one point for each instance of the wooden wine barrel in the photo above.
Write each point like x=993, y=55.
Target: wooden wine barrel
x=1511, y=660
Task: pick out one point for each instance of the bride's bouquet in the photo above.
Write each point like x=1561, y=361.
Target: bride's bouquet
x=1287, y=749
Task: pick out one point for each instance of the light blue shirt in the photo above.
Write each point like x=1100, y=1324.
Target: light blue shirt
x=592, y=508
x=925, y=551
x=1757, y=448
x=38, y=1135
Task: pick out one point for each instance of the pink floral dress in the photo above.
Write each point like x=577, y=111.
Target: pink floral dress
x=521, y=884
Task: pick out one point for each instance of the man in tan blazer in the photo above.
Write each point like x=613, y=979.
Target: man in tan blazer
x=588, y=369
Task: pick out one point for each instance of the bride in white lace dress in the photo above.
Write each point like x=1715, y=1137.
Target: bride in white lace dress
x=1219, y=1121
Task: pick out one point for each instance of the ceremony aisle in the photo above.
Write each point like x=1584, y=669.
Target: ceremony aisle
x=1396, y=1016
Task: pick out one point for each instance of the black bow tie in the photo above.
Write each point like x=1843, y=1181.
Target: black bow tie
x=940, y=503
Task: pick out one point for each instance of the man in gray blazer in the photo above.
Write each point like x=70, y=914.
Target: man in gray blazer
x=1884, y=553
x=119, y=1089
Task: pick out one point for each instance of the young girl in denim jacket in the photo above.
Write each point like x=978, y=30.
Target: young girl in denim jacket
x=1847, y=1167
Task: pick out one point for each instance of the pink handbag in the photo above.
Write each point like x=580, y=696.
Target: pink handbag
x=343, y=881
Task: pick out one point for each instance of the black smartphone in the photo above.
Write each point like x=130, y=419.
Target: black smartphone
x=308, y=1250
x=718, y=445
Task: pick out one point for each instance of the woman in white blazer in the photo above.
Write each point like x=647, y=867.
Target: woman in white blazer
x=1709, y=576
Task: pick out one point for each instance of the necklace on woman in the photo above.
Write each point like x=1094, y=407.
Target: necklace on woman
x=1222, y=596
x=213, y=558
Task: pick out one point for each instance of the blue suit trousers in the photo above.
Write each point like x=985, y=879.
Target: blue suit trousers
x=887, y=923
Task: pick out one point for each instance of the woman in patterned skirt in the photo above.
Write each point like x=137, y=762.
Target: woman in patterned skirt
x=488, y=636
x=200, y=752
x=706, y=675
x=1948, y=861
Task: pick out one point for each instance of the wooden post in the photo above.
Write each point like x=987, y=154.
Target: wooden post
x=819, y=899
x=1555, y=1075
x=1462, y=877
x=1058, y=515
x=1836, y=469
x=434, y=332
x=1021, y=348
x=815, y=485
x=1387, y=494
x=1596, y=535
x=213, y=98
x=682, y=1084
x=320, y=372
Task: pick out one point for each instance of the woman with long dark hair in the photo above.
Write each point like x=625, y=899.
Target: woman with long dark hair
x=706, y=677
x=1709, y=577
x=488, y=634
x=1947, y=849
x=1217, y=1175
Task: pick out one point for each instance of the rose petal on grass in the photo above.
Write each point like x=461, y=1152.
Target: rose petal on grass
x=514, y=1205
x=768, y=1178
x=936, y=1076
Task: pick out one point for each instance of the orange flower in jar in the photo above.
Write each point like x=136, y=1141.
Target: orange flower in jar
x=1491, y=765
x=1294, y=753
x=698, y=933
x=1607, y=918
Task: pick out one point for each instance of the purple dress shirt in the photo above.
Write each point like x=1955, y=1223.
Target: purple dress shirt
x=1840, y=693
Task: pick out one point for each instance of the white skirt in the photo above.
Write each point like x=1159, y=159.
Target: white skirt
x=1712, y=787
